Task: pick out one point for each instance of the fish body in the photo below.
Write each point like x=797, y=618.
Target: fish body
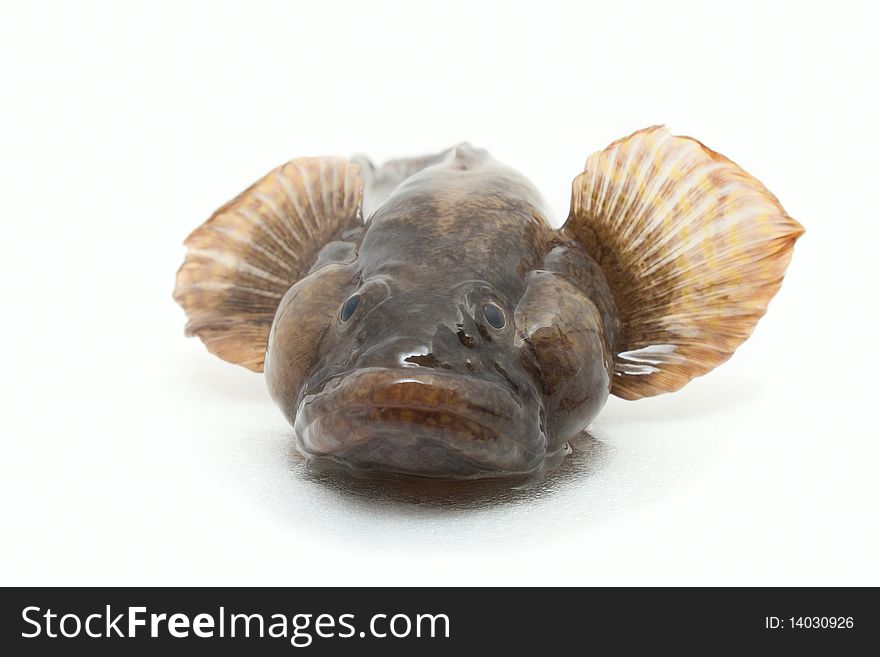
x=455, y=333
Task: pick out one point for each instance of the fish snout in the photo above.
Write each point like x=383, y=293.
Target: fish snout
x=456, y=348
x=422, y=422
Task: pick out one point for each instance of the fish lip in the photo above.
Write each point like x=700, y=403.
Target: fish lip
x=471, y=427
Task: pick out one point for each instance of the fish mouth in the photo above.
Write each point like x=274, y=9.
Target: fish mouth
x=426, y=424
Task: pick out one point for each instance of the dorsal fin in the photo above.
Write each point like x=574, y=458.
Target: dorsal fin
x=243, y=259
x=381, y=181
x=693, y=248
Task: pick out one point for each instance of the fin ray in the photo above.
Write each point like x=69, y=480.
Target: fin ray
x=244, y=258
x=693, y=248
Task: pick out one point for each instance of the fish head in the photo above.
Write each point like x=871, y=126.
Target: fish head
x=437, y=346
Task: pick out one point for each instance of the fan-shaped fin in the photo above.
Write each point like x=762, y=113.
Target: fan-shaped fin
x=693, y=248
x=242, y=260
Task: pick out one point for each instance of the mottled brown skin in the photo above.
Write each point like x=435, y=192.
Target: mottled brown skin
x=417, y=381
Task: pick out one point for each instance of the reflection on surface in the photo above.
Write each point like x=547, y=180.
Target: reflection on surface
x=586, y=456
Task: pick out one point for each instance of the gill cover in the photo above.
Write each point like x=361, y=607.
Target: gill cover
x=692, y=246
x=563, y=333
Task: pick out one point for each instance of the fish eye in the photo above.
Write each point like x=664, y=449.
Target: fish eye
x=351, y=304
x=493, y=315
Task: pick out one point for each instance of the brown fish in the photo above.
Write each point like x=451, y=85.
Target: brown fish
x=455, y=333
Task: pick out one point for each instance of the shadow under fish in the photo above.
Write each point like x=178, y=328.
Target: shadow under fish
x=584, y=456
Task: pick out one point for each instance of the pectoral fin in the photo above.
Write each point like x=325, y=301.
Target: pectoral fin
x=242, y=260
x=693, y=248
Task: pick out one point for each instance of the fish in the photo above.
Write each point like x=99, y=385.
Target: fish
x=423, y=318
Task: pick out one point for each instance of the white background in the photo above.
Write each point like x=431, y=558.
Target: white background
x=132, y=456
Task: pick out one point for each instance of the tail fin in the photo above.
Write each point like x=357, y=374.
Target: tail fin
x=693, y=248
